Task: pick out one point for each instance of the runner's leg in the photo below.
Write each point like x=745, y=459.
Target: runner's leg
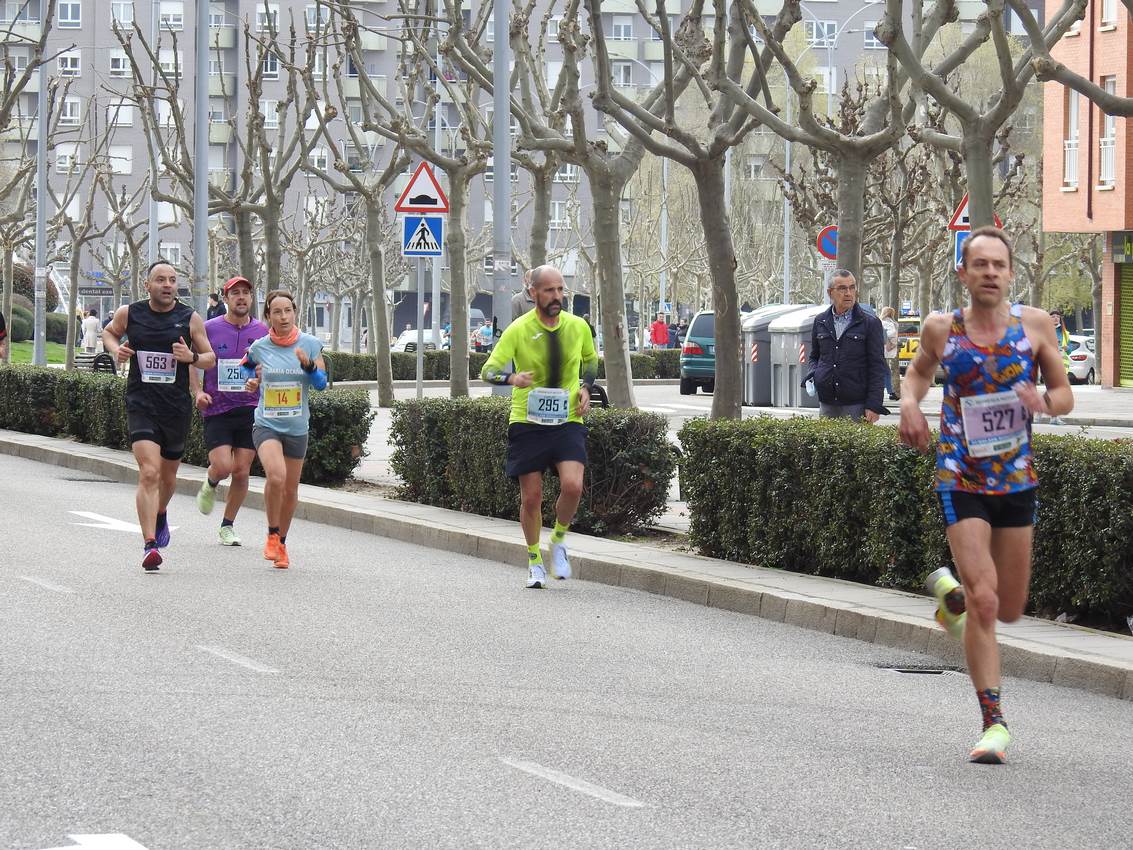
x=571, y=474
x=970, y=541
x=290, y=494
x=168, y=481
x=221, y=464
x=1011, y=551
x=531, y=506
x=238, y=487
x=275, y=468
x=148, y=496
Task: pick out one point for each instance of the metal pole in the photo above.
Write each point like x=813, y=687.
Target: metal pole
x=664, y=276
x=39, y=334
x=436, y=263
x=200, y=167
x=420, y=326
x=787, y=211
x=151, y=230
x=501, y=184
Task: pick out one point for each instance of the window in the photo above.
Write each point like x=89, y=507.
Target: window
x=120, y=64
x=567, y=173
x=121, y=158
x=170, y=252
x=270, y=110
x=351, y=68
x=120, y=113
x=820, y=33
x=319, y=66
x=1109, y=13
x=19, y=58
x=267, y=18
x=1107, y=175
x=166, y=117
x=827, y=78
x=67, y=159
x=753, y=166
x=356, y=161
x=490, y=29
x=172, y=15
x=216, y=16
x=656, y=72
x=271, y=66
x=871, y=42
x=554, y=68
x=623, y=73
x=553, y=28
x=172, y=62
x=623, y=28
x=319, y=158
x=655, y=34
x=354, y=113
x=318, y=17
x=122, y=13
x=70, y=112
x=560, y=215
x=490, y=173
x=70, y=63
x=217, y=115
x=1070, y=139
x=70, y=16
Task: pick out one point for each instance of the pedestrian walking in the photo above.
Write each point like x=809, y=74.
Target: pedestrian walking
x=847, y=355
x=281, y=369
x=892, y=348
x=550, y=348
x=991, y=352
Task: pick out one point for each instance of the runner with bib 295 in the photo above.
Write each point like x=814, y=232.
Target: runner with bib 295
x=551, y=350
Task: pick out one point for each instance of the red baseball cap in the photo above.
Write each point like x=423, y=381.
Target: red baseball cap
x=236, y=281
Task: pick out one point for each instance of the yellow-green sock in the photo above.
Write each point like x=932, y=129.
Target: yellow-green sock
x=533, y=556
x=559, y=533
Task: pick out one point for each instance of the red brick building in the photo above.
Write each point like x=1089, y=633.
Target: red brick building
x=1087, y=165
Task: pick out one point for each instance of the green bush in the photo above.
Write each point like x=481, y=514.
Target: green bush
x=641, y=366
x=57, y=325
x=22, y=325
x=363, y=367
x=845, y=500
x=451, y=453
x=91, y=407
x=667, y=362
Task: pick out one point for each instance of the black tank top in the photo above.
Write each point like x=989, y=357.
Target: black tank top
x=152, y=333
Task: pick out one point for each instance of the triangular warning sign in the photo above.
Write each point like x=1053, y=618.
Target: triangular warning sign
x=422, y=239
x=960, y=219
x=423, y=194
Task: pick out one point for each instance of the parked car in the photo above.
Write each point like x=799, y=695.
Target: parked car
x=408, y=341
x=1082, y=368
x=698, y=354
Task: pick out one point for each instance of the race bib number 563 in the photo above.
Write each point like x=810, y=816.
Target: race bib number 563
x=158, y=367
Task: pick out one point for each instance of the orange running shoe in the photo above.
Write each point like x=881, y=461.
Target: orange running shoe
x=281, y=560
x=271, y=548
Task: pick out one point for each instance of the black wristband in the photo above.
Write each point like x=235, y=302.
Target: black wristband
x=311, y=367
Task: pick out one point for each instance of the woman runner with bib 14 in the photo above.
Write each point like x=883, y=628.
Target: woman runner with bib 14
x=282, y=367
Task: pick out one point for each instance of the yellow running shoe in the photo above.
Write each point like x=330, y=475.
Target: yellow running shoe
x=950, y=612
x=992, y=747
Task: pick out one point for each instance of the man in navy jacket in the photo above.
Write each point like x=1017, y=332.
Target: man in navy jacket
x=847, y=355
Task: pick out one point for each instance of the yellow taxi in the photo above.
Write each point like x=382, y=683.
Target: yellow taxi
x=909, y=337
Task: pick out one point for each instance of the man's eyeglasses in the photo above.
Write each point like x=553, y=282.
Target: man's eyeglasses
x=853, y=287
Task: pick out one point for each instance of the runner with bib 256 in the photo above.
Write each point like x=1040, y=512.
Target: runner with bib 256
x=991, y=352
x=551, y=349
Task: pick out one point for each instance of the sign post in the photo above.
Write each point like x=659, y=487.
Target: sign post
x=827, y=245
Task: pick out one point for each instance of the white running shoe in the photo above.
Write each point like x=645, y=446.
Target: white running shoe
x=560, y=562
x=536, y=575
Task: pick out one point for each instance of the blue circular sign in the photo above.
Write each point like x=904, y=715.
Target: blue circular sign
x=828, y=242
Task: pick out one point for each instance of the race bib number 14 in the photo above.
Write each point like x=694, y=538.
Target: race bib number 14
x=283, y=399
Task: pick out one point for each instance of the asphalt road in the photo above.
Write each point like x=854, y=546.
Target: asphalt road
x=381, y=695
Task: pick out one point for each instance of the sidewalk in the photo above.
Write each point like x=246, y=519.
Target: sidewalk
x=1032, y=649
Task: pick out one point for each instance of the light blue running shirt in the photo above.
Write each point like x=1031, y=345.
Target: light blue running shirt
x=285, y=389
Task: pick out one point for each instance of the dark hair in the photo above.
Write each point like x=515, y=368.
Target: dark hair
x=214, y=296
x=994, y=233
x=278, y=293
x=157, y=263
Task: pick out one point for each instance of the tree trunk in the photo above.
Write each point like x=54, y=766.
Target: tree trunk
x=358, y=306
x=135, y=273
x=9, y=287
x=726, y=397
x=371, y=323
x=72, y=304
x=641, y=312
x=306, y=317
x=273, y=250
x=541, y=215
x=246, y=247
x=379, y=327
x=605, y=196
x=336, y=322
x=924, y=289
x=853, y=167
x=976, y=148
x=457, y=244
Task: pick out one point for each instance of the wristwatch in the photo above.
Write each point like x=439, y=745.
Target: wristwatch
x=196, y=357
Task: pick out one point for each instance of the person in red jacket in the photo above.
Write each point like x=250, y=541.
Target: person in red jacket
x=659, y=332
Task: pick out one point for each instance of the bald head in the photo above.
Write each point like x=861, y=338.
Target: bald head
x=547, y=291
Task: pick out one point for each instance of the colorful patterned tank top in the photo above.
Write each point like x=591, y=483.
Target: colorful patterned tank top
x=985, y=431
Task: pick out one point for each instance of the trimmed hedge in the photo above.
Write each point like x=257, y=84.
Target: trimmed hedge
x=846, y=500
x=21, y=325
x=91, y=407
x=641, y=366
x=667, y=362
x=451, y=453
x=364, y=367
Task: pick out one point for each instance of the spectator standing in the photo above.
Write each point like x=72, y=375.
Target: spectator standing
x=847, y=355
x=216, y=306
x=659, y=332
x=3, y=337
x=92, y=329
x=589, y=324
x=673, y=331
x=892, y=347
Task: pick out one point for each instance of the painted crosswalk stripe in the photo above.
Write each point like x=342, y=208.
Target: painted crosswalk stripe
x=235, y=658
x=580, y=785
x=58, y=588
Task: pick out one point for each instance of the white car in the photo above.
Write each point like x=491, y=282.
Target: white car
x=1082, y=367
x=408, y=341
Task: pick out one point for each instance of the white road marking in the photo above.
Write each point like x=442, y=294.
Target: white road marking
x=581, y=785
x=221, y=652
x=109, y=523
x=106, y=841
x=58, y=588
x=701, y=408
x=657, y=409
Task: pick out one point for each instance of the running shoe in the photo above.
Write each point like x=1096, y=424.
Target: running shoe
x=281, y=560
x=206, y=498
x=271, y=548
x=228, y=536
x=151, y=560
x=992, y=747
x=951, y=613
x=536, y=575
x=560, y=562
x=162, y=533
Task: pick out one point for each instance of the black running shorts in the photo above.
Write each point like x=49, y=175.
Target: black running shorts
x=537, y=448
x=1011, y=510
x=231, y=428
x=169, y=432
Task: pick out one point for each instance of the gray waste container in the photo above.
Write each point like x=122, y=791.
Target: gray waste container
x=757, y=352
x=790, y=351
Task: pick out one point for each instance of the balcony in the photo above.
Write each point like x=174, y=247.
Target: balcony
x=1070, y=162
x=1107, y=171
x=21, y=31
x=372, y=40
x=653, y=51
x=220, y=134
x=222, y=37
x=621, y=49
x=221, y=178
x=222, y=85
x=21, y=129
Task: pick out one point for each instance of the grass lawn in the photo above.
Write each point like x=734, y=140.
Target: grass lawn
x=21, y=352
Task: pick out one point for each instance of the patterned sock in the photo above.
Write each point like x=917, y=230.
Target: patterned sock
x=955, y=602
x=533, y=556
x=226, y=522
x=559, y=533
x=213, y=484
x=150, y=544
x=990, y=707
x=283, y=538
x=273, y=529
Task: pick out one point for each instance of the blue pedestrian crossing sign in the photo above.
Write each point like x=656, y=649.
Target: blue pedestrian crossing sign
x=422, y=235
x=961, y=237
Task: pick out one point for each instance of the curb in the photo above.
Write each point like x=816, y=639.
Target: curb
x=431, y=384
x=875, y=615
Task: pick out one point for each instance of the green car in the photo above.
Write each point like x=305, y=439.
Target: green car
x=698, y=354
